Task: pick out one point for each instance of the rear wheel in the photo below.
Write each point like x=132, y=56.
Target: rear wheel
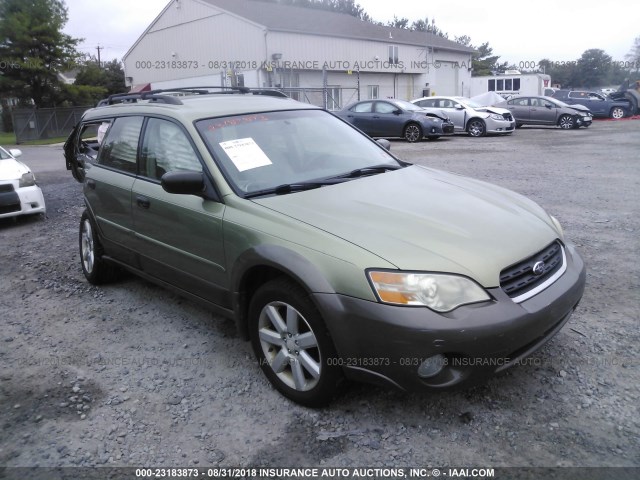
x=413, y=132
x=292, y=344
x=476, y=127
x=95, y=269
x=617, y=112
x=566, y=122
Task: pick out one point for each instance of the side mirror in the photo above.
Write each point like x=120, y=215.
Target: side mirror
x=386, y=144
x=15, y=152
x=397, y=112
x=548, y=105
x=459, y=107
x=183, y=183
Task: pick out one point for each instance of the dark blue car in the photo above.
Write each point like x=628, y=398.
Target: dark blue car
x=599, y=105
x=396, y=118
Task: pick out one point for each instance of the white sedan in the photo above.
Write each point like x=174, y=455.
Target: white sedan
x=19, y=193
x=468, y=116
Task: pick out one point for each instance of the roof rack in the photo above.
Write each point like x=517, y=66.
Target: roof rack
x=172, y=95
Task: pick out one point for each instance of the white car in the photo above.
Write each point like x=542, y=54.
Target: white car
x=468, y=116
x=19, y=193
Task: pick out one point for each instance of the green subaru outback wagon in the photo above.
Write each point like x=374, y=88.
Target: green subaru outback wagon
x=336, y=260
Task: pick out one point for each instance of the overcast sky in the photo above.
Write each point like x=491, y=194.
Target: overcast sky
x=517, y=31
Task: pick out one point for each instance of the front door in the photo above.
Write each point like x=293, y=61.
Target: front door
x=179, y=237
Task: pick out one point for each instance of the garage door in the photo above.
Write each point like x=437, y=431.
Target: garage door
x=446, y=78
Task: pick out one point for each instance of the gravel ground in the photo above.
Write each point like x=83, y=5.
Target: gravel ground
x=131, y=375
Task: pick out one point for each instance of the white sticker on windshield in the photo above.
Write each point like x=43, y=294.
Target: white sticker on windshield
x=245, y=154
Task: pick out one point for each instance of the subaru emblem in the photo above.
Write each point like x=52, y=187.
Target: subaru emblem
x=538, y=268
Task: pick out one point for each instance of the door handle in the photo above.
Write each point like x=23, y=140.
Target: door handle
x=349, y=116
x=376, y=116
x=91, y=184
x=142, y=201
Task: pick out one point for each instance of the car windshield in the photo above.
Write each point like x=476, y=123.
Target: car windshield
x=263, y=151
x=4, y=155
x=469, y=103
x=407, y=106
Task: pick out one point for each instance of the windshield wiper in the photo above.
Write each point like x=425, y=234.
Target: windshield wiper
x=294, y=187
x=361, y=172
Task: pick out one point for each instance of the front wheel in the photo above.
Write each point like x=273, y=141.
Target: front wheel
x=413, y=133
x=292, y=344
x=566, y=122
x=476, y=127
x=617, y=112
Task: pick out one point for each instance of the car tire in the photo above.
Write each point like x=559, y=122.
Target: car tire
x=476, y=127
x=617, y=113
x=96, y=270
x=412, y=132
x=566, y=122
x=292, y=344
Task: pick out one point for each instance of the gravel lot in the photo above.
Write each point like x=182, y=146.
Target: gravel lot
x=132, y=375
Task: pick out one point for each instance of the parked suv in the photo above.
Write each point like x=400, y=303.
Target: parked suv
x=335, y=258
x=599, y=105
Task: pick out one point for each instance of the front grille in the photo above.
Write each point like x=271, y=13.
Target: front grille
x=6, y=187
x=520, y=278
x=508, y=116
x=15, y=207
x=448, y=129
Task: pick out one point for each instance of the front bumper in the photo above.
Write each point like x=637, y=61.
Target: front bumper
x=21, y=201
x=386, y=344
x=500, y=126
x=438, y=129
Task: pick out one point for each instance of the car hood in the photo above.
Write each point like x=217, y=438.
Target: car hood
x=580, y=108
x=11, y=169
x=498, y=110
x=427, y=220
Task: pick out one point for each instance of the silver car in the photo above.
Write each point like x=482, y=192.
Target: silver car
x=468, y=116
x=540, y=110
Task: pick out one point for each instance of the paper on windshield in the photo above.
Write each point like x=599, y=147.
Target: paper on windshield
x=245, y=154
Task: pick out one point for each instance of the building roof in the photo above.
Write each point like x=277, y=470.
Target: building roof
x=287, y=18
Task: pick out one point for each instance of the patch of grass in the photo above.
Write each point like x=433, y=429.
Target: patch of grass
x=10, y=139
x=47, y=141
x=7, y=138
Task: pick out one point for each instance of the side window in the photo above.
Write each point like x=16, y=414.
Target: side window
x=91, y=137
x=363, y=107
x=166, y=148
x=120, y=147
x=536, y=102
x=384, y=107
x=521, y=102
x=426, y=103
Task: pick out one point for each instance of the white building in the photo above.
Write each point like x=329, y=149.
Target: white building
x=511, y=83
x=260, y=44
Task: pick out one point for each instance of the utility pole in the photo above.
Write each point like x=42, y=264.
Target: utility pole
x=99, y=48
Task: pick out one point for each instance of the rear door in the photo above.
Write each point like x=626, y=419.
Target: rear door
x=519, y=108
x=179, y=237
x=107, y=185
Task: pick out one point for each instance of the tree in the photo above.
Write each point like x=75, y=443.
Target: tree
x=633, y=57
x=110, y=76
x=594, y=67
x=428, y=26
x=399, y=23
x=33, y=49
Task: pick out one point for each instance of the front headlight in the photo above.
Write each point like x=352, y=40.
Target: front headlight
x=558, y=226
x=27, y=180
x=496, y=116
x=438, y=291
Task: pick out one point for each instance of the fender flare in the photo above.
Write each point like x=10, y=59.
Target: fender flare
x=277, y=258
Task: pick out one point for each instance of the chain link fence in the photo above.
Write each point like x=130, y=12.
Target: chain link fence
x=44, y=123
